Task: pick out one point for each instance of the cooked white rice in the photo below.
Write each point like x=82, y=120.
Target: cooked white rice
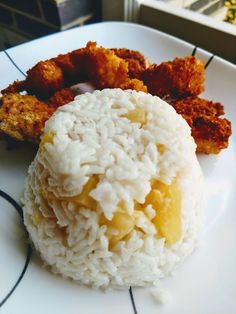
x=91, y=136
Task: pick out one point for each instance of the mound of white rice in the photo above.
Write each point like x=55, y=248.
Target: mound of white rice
x=106, y=149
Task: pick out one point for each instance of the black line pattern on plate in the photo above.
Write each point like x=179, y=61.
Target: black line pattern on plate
x=194, y=51
x=13, y=62
x=132, y=300
x=10, y=200
x=209, y=61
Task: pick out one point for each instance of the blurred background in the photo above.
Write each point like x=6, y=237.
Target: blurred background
x=218, y=9
x=210, y=24
x=23, y=20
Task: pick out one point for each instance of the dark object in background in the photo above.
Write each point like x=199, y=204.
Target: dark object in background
x=24, y=20
x=63, y=13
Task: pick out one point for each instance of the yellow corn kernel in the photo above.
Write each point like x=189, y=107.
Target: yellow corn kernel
x=136, y=115
x=47, y=138
x=120, y=226
x=166, y=200
x=84, y=199
x=161, y=148
x=37, y=218
x=138, y=206
x=155, y=198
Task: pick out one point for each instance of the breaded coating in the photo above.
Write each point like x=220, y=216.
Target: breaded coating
x=72, y=73
x=62, y=97
x=195, y=106
x=103, y=68
x=22, y=117
x=79, y=58
x=134, y=84
x=211, y=134
x=137, y=63
x=99, y=65
x=179, y=82
x=44, y=79
x=49, y=76
x=181, y=77
x=15, y=87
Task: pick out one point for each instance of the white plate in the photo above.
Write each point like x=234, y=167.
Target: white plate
x=206, y=282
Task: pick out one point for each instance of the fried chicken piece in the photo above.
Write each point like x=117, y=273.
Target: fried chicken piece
x=15, y=87
x=22, y=117
x=44, y=79
x=72, y=73
x=181, y=77
x=62, y=97
x=134, y=84
x=211, y=134
x=195, y=106
x=137, y=63
x=49, y=76
x=99, y=65
x=103, y=68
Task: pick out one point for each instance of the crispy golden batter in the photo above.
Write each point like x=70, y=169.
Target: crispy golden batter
x=104, y=69
x=211, y=134
x=22, y=117
x=49, y=76
x=72, y=73
x=137, y=63
x=62, y=97
x=134, y=84
x=181, y=77
x=195, y=106
x=79, y=58
x=44, y=79
x=99, y=65
x=15, y=87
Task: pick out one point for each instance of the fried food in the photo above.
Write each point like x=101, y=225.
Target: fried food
x=62, y=97
x=72, y=73
x=179, y=82
x=44, y=79
x=22, y=117
x=195, y=106
x=49, y=76
x=137, y=63
x=107, y=68
x=104, y=69
x=210, y=132
x=181, y=77
x=15, y=87
x=134, y=84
